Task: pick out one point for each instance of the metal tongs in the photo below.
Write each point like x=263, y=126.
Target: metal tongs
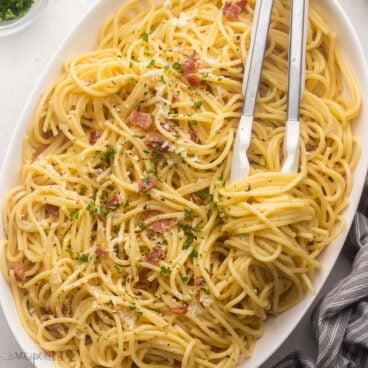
x=252, y=77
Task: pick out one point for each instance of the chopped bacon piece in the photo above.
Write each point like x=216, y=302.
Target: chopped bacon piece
x=241, y=4
x=232, y=10
x=193, y=80
x=113, y=202
x=161, y=226
x=141, y=119
x=197, y=199
x=47, y=135
x=190, y=71
x=198, y=281
x=190, y=65
x=19, y=272
x=100, y=250
x=157, y=142
x=311, y=147
x=94, y=135
x=150, y=213
x=193, y=136
x=147, y=183
x=101, y=219
x=155, y=255
x=175, y=98
x=52, y=210
x=40, y=149
x=142, y=284
x=179, y=310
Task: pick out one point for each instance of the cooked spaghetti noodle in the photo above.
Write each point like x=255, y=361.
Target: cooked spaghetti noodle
x=126, y=245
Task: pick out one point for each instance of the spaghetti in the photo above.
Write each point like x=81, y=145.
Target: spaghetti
x=126, y=245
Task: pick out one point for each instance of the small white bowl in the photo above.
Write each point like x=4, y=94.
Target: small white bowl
x=8, y=27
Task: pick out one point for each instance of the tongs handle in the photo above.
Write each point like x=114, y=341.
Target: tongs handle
x=254, y=64
x=296, y=82
x=251, y=80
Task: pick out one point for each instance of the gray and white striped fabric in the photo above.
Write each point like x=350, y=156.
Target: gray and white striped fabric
x=340, y=321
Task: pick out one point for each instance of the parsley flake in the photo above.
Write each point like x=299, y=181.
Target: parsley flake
x=74, y=215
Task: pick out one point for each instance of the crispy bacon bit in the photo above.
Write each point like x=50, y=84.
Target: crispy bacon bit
x=147, y=183
x=155, y=255
x=193, y=136
x=180, y=311
x=52, y=210
x=161, y=226
x=100, y=250
x=94, y=135
x=40, y=149
x=141, y=284
x=157, y=142
x=141, y=119
x=100, y=219
x=232, y=10
x=150, y=213
x=241, y=4
x=19, y=272
x=197, y=199
x=113, y=202
x=198, y=281
x=175, y=98
x=47, y=135
x=190, y=71
x=311, y=147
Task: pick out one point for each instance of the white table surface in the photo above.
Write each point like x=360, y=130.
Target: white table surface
x=23, y=57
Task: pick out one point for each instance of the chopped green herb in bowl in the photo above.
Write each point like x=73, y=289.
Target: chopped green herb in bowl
x=11, y=9
x=15, y=15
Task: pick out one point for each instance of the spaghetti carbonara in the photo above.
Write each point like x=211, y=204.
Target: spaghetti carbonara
x=126, y=245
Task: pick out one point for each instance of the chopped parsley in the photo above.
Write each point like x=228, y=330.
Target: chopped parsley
x=83, y=257
x=74, y=215
x=110, y=153
x=206, y=195
x=155, y=157
x=184, y=279
x=132, y=306
x=165, y=270
x=110, y=303
x=130, y=64
x=142, y=226
x=94, y=210
x=145, y=37
x=188, y=230
x=151, y=64
x=198, y=104
x=188, y=243
x=193, y=254
x=11, y=9
x=177, y=66
x=188, y=214
x=165, y=242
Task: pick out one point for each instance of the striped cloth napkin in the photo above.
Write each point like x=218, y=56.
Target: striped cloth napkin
x=340, y=321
